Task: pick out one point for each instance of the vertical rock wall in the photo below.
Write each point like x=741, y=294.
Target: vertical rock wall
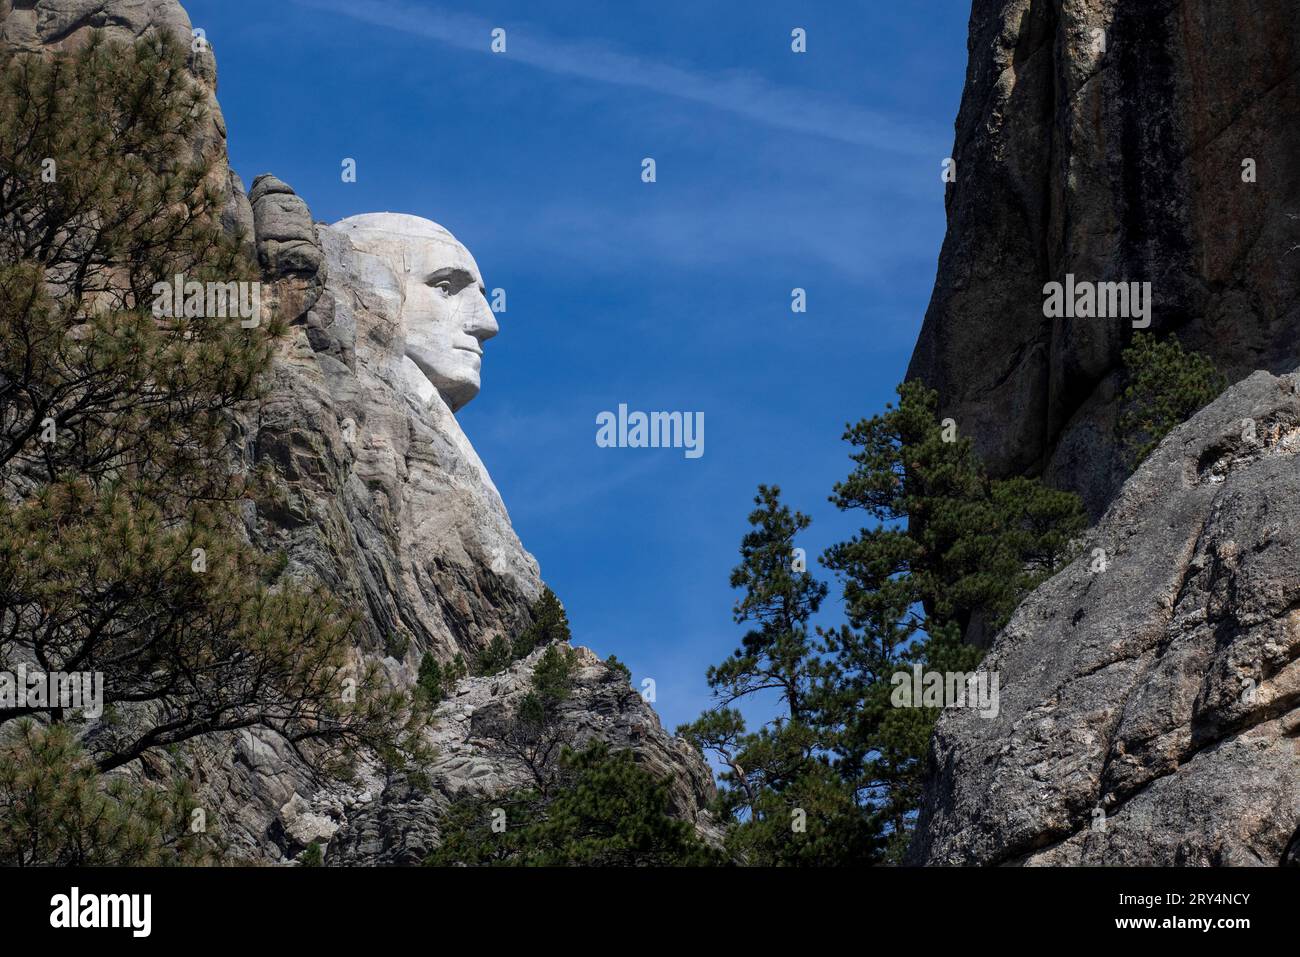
x=1105, y=138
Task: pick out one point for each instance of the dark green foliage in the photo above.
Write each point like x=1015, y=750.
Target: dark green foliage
x=396, y=645
x=493, y=659
x=602, y=811
x=550, y=625
x=878, y=747
x=586, y=807
x=125, y=210
x=623, y=672
x=778, y=600
x=121, y=546
x=56, y=810
x=534, y=735
x=435, y=681
x=429, y=681
x=949, y=538
x=483, y=832
x=1166, y=387
x=553, y=675
x=810, y=819
x=313, y=856
x=787, y=804
x=949, y=548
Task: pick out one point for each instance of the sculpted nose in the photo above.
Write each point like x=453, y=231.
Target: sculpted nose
x=482, y=323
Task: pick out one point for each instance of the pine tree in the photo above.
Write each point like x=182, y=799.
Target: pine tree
x=57, y=811
x=493, y=659
x=313, y=856
x=534, y=736
x=603, y=811
x=780, y=596
x=121, y=549
x=787, y=804
x=1166, y=385
x=951, y=548
x=429, y=681
x=550, y=624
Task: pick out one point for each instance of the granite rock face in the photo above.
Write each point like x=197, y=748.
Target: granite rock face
x=31, y=26
x=380, y=494
x=287, y=241
x=1106, y=139
x=1150, y=700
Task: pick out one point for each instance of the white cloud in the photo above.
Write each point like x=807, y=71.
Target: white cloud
x=737, y=92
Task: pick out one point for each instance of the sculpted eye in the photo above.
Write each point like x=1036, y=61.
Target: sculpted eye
x=449, y=281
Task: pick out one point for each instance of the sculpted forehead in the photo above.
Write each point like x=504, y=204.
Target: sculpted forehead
x=429, y=254
x=409, y=243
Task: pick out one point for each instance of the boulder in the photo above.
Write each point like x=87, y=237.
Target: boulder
x=1149, y=706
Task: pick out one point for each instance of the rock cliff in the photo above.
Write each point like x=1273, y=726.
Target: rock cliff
x=1150, y=693
x=401, y=825
x=1109, y=139
x=380, y=494
x=36, y=26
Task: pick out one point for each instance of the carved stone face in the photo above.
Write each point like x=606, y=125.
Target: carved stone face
x=445, y=313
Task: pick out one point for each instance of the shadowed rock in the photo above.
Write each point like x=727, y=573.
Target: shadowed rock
x=1106, y=139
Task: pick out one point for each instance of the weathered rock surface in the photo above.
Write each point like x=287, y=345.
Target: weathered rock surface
x=287, y=241
x=381, y=495
x=401, y=827
x=1150, y=712
x=1106, y=138
x=31, y=26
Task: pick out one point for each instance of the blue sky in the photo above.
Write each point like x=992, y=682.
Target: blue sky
x=775, y=170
